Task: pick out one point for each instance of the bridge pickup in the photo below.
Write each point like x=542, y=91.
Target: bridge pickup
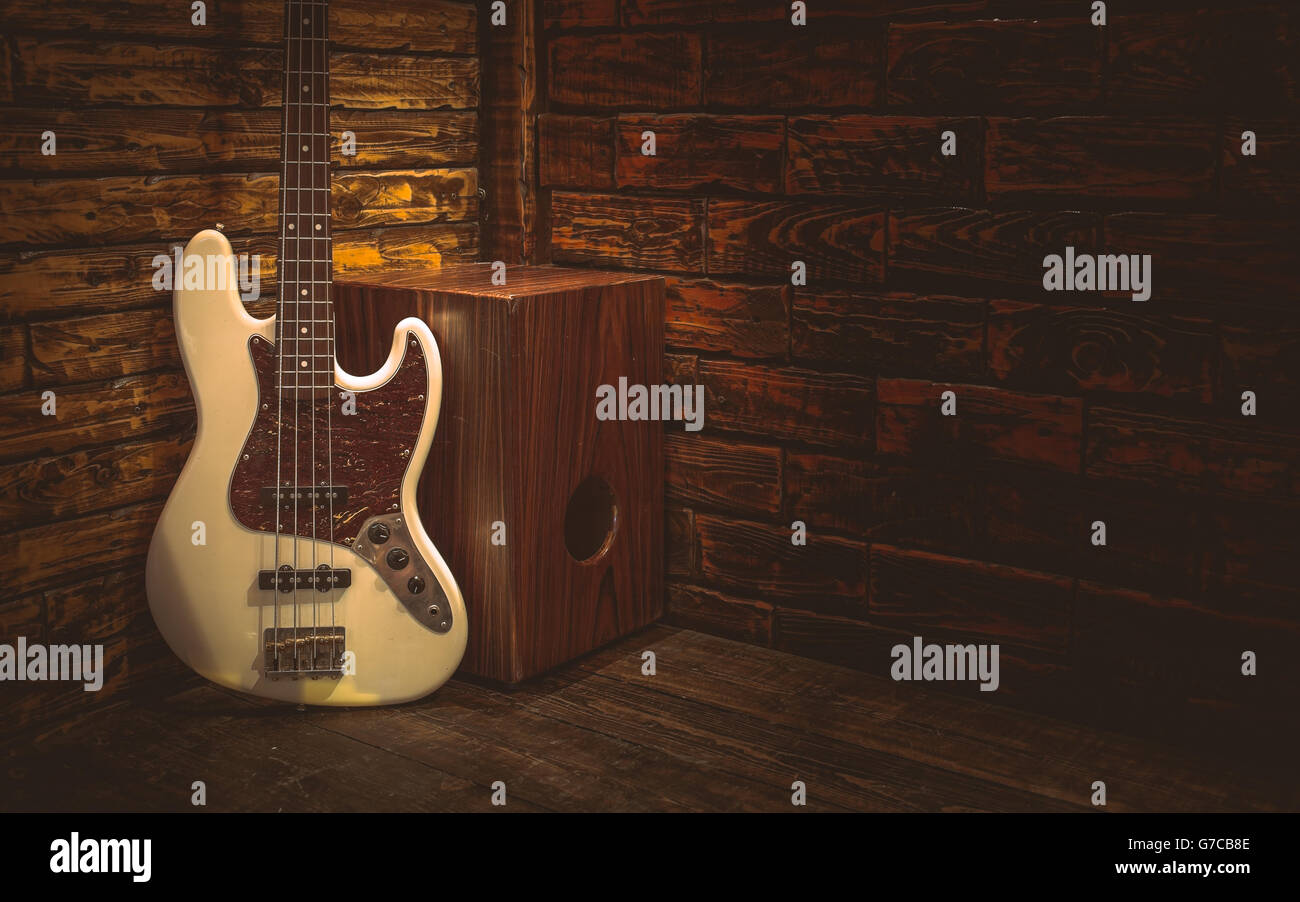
x=315, y=495
x=303, y=651
x=286, y=579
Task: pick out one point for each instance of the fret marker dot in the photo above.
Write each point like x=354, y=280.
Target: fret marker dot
x=304, y=292
x=304, y=147
x=304, y=363
x=290, y=227
x=304, y=330
x=305, y=89
x=318, y=226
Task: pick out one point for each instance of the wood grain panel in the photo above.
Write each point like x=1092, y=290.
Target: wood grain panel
x=445, y=26
x=1263, y=356
x=1272, y=176
x=885, y=502
x=787, y=403
x=708, y=473
x=1153, y=541
x=681, y=369
x=575, y=151
x=719, y=614
x=916, y=589
x=625, y=70
x=508, y=156
x=64, y=70
x=883, y=154
x=959, y=246
x=895, y=332
x=6, y=71
x=990, y=424
x=1252, y=558
x=86, y=481
x=1120, y=347
x=1225, y=456
x=1204, y=255
x=824, y=66
x=1163, y=60
x=839, y=640
x=569, y=13
x=1044, y=520
x=41, y=555
x=720, y=12
x=742, y=320
x=826, y=490
x=639, y=232
x=765, y=237
x=191, y=140
x=57, y=283
x=110, y=412
x=1193, y=58
x=990, y=65
x=103, y=347
x=13, y=357
x=759, y=560
x=1184, y=649
x=133, y=208
x=1099, y=157
x=696, y=152
x=679, y=542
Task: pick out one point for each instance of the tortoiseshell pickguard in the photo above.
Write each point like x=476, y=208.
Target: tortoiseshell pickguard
x=371, y=449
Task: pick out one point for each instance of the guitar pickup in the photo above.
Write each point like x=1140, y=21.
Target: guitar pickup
x=286, y=579
x=303, y=652
x=314, y=495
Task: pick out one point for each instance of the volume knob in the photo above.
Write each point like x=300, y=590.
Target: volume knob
x=398, y=558
x=378, y=533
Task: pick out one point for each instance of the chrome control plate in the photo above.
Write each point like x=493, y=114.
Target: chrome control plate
x=407, y=574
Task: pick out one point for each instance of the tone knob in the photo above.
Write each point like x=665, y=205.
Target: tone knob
x=379, y=533
x=415, y=585
x=398, y=558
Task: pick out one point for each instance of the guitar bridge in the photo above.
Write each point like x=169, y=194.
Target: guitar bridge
x=303, y=652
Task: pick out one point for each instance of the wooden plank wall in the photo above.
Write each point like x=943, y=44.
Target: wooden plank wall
x=164, y=128
x=821, y=143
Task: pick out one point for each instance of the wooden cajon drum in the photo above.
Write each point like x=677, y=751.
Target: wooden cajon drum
x=550, y=518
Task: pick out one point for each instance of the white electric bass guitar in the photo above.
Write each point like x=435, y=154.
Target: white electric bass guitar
x=289, y=561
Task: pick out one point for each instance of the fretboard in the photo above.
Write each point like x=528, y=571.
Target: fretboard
x=306, y=312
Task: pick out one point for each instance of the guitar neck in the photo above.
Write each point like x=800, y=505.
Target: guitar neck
x=306, y=312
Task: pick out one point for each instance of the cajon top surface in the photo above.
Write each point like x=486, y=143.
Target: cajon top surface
x=476, y=279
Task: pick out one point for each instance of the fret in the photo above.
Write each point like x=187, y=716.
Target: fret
x=305, y=315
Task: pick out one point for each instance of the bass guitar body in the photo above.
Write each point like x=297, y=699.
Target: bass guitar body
x=290, y=561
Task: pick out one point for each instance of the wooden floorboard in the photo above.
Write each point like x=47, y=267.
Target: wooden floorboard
x=720, y=726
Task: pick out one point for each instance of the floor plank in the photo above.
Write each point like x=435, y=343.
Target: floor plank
x=720, y=726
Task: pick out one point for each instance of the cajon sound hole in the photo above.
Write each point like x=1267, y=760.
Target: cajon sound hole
x=590, y=520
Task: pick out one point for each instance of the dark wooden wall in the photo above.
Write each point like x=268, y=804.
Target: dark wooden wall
x=164, y=128
x=821, y=143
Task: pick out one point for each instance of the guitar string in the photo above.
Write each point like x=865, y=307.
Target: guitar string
x=297, y=319
x=329, y=315
x=281, y=337
x=311, y=18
